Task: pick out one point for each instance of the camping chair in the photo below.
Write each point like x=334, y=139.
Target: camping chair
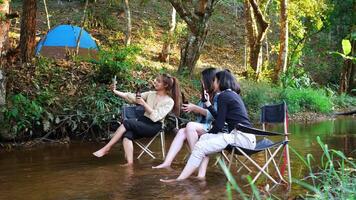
x=269, y=114
x=133, y=112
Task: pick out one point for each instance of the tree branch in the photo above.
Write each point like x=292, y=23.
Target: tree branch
x=184, y=13
x=260, y=19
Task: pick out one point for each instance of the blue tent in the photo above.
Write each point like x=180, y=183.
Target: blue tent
x=62, y=39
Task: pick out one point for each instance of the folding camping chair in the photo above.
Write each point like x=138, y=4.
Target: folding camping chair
x=133, y=112
x=269, y=114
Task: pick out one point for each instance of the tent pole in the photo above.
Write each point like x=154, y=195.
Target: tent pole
x=81, y=28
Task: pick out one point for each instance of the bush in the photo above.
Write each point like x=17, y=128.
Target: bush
x=255, y=95
x=307, y=99
x=344, y=101
x=22, y=112
x=116, y=61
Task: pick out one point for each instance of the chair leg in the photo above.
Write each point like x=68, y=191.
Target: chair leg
x=163, y=144
x=145, y=148
x=262, y=170
x=276, y=167
x=243, y=163
x=289, y=168
x=266, y=158
x=267, y=163
x=231, y=158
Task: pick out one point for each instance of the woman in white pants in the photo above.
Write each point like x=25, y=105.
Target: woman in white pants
x=231, y=110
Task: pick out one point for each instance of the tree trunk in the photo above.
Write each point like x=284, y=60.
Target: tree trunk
x=166, y=50
x=256, y=27
x=4, y=28
x=128, y=22
x=28, y=30
x=283, y=49
x=2, y=89
x=4, y=45
x=197, y=21
x=191, y=51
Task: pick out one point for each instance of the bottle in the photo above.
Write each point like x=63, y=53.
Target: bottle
x=184, y=100
x=114, y=82
x=202, y=93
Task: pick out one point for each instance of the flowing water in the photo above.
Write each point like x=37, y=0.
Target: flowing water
x=69, y=171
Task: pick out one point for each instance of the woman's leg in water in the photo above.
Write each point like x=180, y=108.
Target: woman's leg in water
x=175, y=147
x=208, y=144
x=203, y=167
x=128, y=148
x=193, y=131
x=105, y=150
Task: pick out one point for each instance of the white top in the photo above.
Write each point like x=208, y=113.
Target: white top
x=160, y=108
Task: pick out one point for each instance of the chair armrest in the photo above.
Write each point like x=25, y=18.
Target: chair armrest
x=256, y=131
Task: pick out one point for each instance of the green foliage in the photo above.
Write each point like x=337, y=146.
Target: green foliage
x=116, y=61
x=22, y=112
x=346, y=46
x=255, y=95
x=295, y=77
x=344, y=101
x=335, y=179
x=95, y=109
x=102, y=17
x=306, y=99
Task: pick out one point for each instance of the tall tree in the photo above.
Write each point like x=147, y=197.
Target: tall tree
x=256, y=29
x=166, y=49
x=283, y=49
x=196, y=14
x=28, y=30
x=4, y=41
x=4, y=26
x=128, y=22
x=348, y=71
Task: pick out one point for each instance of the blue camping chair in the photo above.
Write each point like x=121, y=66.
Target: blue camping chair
x=269, y=114
x=133, y=112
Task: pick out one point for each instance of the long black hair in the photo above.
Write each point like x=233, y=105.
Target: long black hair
x=226, y=80
x=208, y=76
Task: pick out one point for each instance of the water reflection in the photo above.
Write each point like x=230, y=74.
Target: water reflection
x=70, y=171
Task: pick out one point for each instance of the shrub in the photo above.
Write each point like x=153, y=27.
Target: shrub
x=22, y=112
x=344, y=101
x=255, y=95
x=307, y=99
x=116, y=61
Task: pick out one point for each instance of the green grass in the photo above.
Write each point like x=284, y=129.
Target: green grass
x=334, y=179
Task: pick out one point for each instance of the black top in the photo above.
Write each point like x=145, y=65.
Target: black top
x=231, y=110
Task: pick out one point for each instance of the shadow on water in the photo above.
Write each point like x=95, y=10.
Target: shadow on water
x=70, y=171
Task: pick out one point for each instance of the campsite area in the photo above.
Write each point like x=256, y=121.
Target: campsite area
x=60, y=58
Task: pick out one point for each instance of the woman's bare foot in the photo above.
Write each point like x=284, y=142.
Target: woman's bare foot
x=126, y=165
x=168, y=180
x=161, y=166
x=100, y=153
